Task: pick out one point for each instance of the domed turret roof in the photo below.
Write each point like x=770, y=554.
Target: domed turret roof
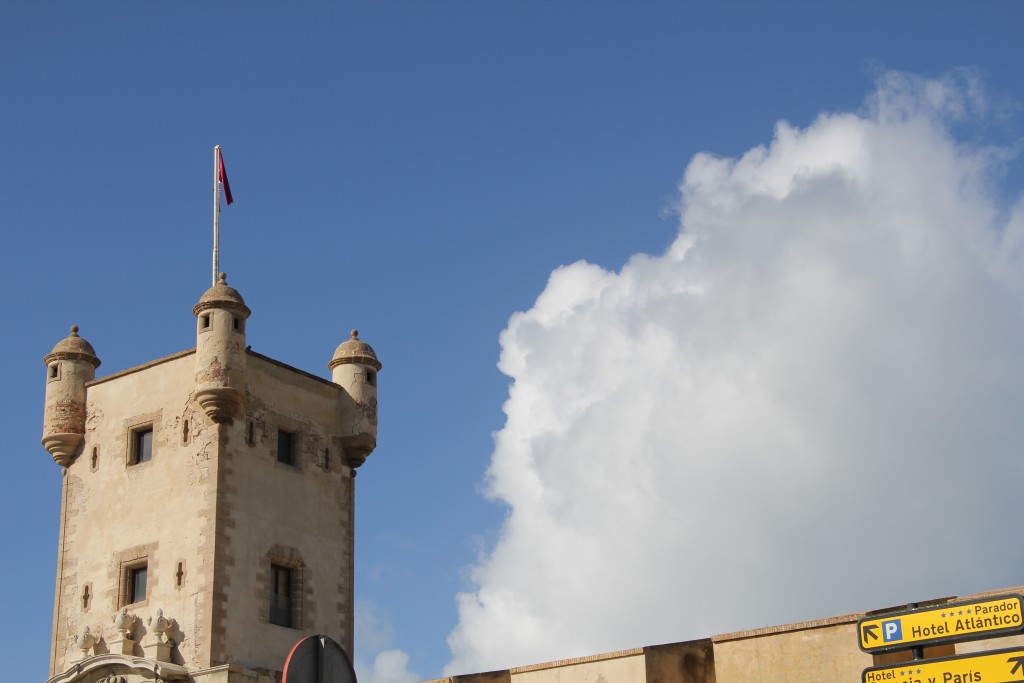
x=221, y=296
x=73, y=347
x=354, y=350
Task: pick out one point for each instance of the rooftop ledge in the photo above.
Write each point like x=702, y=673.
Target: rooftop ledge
x=186, y=352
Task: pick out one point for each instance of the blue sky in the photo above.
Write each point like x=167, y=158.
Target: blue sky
x=418, y=170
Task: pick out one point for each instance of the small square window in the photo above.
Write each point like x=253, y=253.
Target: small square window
x=137, y=584
x=53, y=372
x=285, y=447
x=371, y=378
x=142, y=445
x=280, y=595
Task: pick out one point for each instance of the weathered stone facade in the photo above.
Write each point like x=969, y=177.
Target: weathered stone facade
x=180, y=506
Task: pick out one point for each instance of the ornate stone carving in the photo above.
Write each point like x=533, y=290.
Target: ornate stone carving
x=159, y=646
x=85, y=641
x=63, y=447
x=159, y=625
x=125, y=623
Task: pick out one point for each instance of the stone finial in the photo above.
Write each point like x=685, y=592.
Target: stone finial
x=158, y=624
x=125, y=622
x=158, y=647
x=85, y=641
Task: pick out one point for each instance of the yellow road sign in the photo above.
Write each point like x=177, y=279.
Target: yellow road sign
x=1000, y=666
x=949, y=623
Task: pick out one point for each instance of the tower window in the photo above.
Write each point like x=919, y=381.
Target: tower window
x=280, y=595
x=53, y=372
x=133, y=574
x=142, y=445
x=286, y=591
x=238, y=324
x=134, y=578
x=285, y=447
x=94, y=462
x=371, y=378
x=137, y=583
x=204, y=321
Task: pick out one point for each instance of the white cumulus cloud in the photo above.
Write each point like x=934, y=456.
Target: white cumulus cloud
x=389, y=666
x=376, y=661
x=809, y=405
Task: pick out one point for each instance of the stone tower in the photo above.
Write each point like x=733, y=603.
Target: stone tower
x=208, y=504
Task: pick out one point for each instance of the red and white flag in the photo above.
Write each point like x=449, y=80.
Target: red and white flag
x=222, y=176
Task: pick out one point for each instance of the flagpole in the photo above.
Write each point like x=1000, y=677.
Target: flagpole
x=216, y=212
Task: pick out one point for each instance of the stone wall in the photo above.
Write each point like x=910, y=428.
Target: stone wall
x=296, y=516
x=118, y=515
x=822, y=650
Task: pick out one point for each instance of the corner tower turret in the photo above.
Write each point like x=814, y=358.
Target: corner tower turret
x=220, y=350
x=69, y=366
x=354, y=368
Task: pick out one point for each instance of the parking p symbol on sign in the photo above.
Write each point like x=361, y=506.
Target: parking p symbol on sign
x=892, y=630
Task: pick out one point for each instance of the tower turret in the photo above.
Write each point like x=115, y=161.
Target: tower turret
x=354, y=368
x=220, y=350
x=69, y=366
